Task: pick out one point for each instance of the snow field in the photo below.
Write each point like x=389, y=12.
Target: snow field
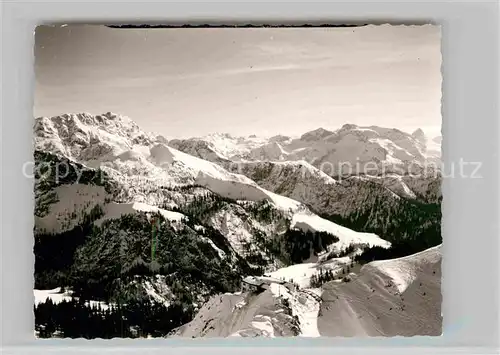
x=346, y=236
x=404, y=271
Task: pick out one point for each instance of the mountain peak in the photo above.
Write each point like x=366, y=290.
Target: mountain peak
x=279, y=138
x=86, y=137
x=316, y=134
x=220, y=135
x=88, y=119
x=348, y=126
x=418, y=134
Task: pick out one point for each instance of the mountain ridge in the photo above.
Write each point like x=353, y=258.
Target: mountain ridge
x=231, y=217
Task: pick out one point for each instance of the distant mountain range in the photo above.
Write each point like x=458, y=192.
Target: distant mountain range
x=223, y=208
x=350, y=144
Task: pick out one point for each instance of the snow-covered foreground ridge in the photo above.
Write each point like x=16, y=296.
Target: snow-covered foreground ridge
x=118, y=146
x=404, y=271
x=220, y=225
x=279, y=311
x=338, y=308
x=388, y=298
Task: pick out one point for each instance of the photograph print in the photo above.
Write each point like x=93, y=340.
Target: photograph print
x=237, y=182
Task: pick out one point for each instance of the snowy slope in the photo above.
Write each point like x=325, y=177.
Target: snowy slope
x=387, y=298
x=358, y=149
x=301, y=273
x=348, y=197
x=371, y=147
x=158, y=290
x=222, y=145
x=129, y=158
x=286, y=173
x=241, y=315
x=229, y=146
x=404, y=271
x=256, y=314
x=432, y=146
x=137, y=159
x=372, y=304
x=117, y=144
x=306, y=179
x=200, y=149
x=55, y=295
x=238, y=227
x=116, y=210
x=269, y=151
x=302, y=218
x=305, y=221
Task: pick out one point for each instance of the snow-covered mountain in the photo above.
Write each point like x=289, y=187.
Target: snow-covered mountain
x=305, y=168
x=111, y=169
x=350, y=149
x=303, y=182
x=226, y=207
x=136, y=159
x=117, y=145
x=388, y=297
x=223, y=145
x=419, y=135
x=352, y=144
x=91, y=138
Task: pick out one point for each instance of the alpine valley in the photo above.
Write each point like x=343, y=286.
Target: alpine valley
x=218, y=236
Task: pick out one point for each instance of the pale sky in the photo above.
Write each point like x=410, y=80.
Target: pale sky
x=188, y=82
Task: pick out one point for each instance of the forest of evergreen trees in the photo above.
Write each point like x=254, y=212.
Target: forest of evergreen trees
x=291, y=247
x=109, y=263
x=299, y=245
x=76, y=319
x=294, y=246
x=351, y=248
x=317, y=280
x=54, y=252
x=114, y=249
x=324, y=276
x=104, y=263
x=398, y=249
x=409, y=225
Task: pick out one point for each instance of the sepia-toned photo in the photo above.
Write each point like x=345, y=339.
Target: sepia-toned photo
x=237, y=182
